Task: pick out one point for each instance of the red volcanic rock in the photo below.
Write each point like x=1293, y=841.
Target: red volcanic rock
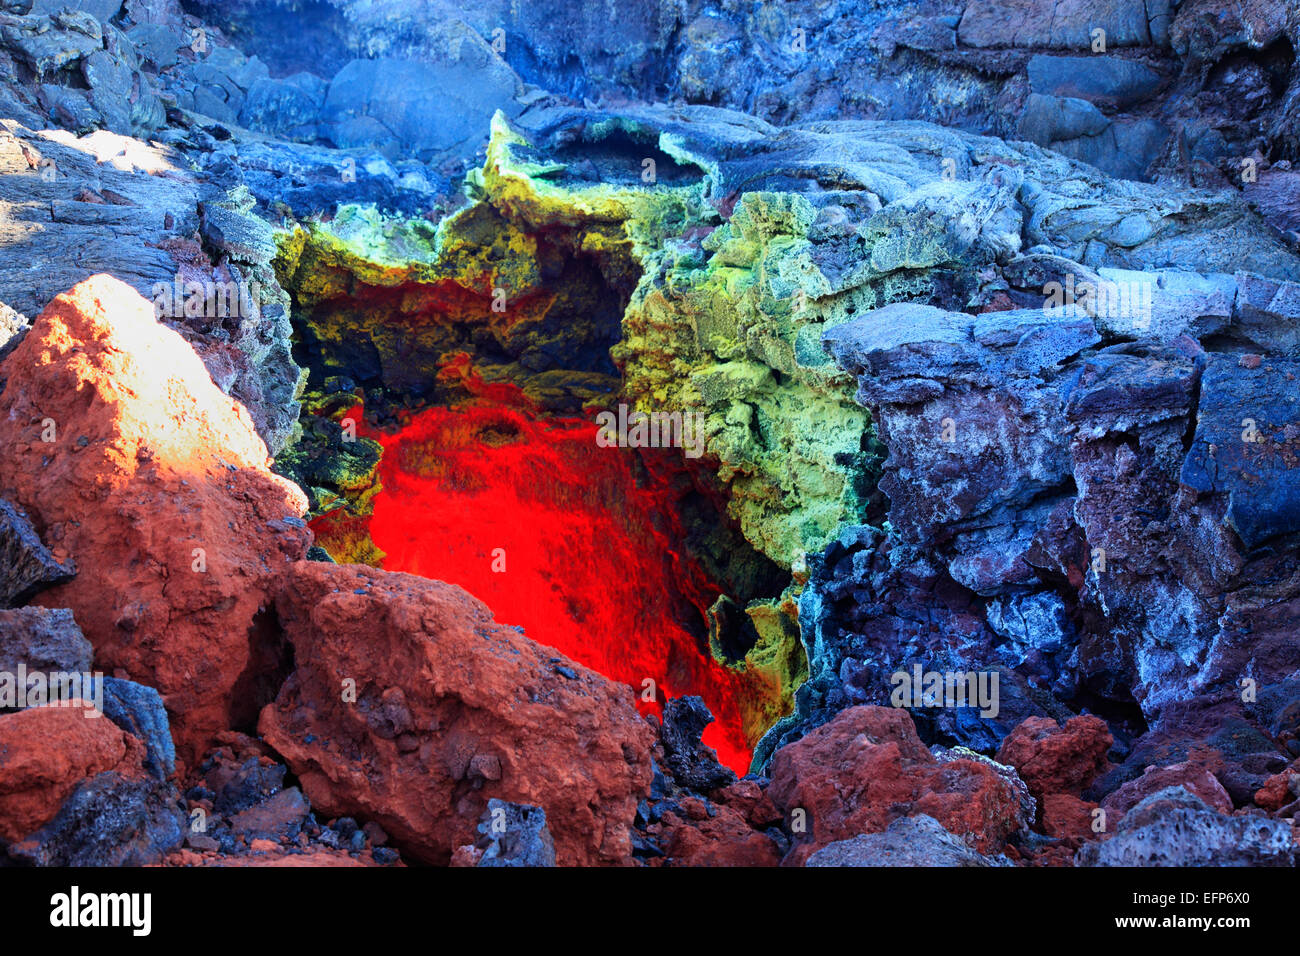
x=45, y=752
x=127, y=458
x=725, y=832
x=1194, y=777
x=1055, y=759
x=1279, y=789
x=1067, y=817
x=867, y=767
x=724, y=839
x=449, y=710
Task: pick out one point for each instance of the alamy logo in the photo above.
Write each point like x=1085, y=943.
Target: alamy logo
x=946, y=689
x=634, y=429
x=75, y=909
x=204, y=300
x=1102, y=299
x=23, y=689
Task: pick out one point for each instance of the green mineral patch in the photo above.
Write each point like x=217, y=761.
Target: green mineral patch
x=587, y=294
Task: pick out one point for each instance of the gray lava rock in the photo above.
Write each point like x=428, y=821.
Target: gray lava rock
x=514, y=835
x=1103, y=80
x=289, y=107
x=26, y=566
x=139, y=710
x=425, y=110
x=43, y=639
x=1245, y=451
x=692, y=765
x=109, y=821
x=1174, y=828
x=910, y=841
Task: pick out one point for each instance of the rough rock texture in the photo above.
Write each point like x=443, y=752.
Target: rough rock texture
x=513, y=835
x=450, y=711
x=737, y=825
x=139, y=710
x=1052, y=759
x=1174, y=828
x=750, y=246
x=691, y=764
x=1196, y=780
x=26, y=565
x=105, y=203
x=1097, y=506
x=909, y=841
x=42, y=639
x=110, y=820
x=46, y=753
x=867, y=767
x=1175, y=89
x=188, y=526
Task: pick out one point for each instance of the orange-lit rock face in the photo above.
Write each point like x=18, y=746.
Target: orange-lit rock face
x=130, y=460
x=575, y=543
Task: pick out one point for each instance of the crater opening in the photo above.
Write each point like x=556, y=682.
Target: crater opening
x=448, y=436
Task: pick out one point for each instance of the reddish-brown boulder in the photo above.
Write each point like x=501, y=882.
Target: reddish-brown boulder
x=1194, y=777
x=411, y=707
x=1055, y=759
x=728, y=831
x=724, y=839
x=128, y=459
x=1279, y=789
x=1066, y=817
x=867, y=767
x=45, y=752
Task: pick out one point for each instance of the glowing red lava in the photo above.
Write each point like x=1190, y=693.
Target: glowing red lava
x=593, y=565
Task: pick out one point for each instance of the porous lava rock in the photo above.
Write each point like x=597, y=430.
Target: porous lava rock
x=128, y=458
x=867, y=768
x=1057, y=759
x=738, y=826
x=46, y=753
x=411, y=707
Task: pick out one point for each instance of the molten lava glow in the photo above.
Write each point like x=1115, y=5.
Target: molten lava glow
x=593, y=564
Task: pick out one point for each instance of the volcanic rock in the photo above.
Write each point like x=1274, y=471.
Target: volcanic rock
x=139, y=710
x=1054, y=759
x=412, y=678
x=1174, y=828
x=26, y=565
x=43, y=639
x=691, y=764
x=47, y=752
x=867, y=767
x=1196, y=779
x=909, y=841
x=513, y=835
x=127, y=456
x=739, y=826
x=109, y=820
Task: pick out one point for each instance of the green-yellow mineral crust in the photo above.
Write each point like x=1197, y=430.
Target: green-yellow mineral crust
x=724, y=319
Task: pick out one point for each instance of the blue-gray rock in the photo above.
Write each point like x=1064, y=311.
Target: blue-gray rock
x=910, y=841
x=1174, y=828
x=1104, y=80
x=421, y=110
x=139, y=711
x=43, y=639
x=1244, y=452
x=26, y=566
x=1047, y=119
x=109, y=821
x=101, y=10
x=514, y=835
x=691, y=764
x=289, y=107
